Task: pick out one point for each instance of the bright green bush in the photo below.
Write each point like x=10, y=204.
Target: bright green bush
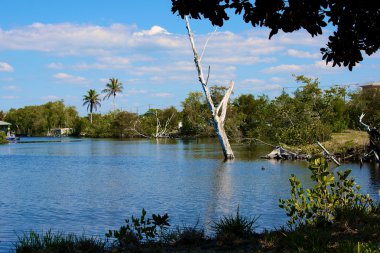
x=3, y=138
x=321, y=203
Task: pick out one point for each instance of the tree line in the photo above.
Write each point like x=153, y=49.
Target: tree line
x=304, y=116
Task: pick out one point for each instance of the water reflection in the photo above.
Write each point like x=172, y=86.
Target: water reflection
x=221, y=191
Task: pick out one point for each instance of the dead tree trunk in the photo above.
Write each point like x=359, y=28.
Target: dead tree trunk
x=162, y=132
x=218, y=114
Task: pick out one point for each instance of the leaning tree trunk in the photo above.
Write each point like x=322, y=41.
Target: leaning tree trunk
x=218, y=114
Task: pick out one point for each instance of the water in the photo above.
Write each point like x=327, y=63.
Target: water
x=92, y=185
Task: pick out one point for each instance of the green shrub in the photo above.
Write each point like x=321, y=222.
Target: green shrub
x=234, y=227
x=140, y=229
x=3, y=138
x=321, y=203
x=186, y=236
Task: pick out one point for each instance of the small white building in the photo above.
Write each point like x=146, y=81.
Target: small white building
x=369, y=86
x=61, y=131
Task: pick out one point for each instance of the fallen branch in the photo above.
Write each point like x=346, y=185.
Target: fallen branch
x=327, y=153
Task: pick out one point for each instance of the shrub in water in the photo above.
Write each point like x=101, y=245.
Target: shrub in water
x=329, y=195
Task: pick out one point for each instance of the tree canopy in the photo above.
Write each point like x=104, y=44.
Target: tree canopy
x=356, y=22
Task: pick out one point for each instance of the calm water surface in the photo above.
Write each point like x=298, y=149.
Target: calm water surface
x=92, y=185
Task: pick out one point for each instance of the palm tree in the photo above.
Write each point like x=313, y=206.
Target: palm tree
x=92, y=100
x=113, y=87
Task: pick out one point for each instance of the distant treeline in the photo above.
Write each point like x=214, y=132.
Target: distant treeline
x=305, y=116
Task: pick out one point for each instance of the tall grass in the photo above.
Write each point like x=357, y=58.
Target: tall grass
x=57, y=242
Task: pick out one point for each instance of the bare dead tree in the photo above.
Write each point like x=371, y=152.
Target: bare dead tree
x=218, y=114
x=161, y=131
x=137, y=132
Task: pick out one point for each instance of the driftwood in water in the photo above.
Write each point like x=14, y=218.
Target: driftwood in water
x=280, y=153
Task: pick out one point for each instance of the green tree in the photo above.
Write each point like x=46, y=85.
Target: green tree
x=195, y=116
x=92, y=100
x=112, y=88
x=335, y=109
x=298, y=120
x=255, y=112
x=40, y=119
x=364, y=101
x=357, y=22
x=121, y=124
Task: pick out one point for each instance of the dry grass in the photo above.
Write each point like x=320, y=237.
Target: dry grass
x=347, y=144
x=359, y=138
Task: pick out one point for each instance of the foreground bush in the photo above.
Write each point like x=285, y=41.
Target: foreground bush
x=326, y=199
x=230, y=228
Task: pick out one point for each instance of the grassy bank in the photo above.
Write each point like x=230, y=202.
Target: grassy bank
x=348, y=145
x=351, y=232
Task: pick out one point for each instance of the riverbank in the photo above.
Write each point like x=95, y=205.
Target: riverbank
x=353, y=231
x=349, y=145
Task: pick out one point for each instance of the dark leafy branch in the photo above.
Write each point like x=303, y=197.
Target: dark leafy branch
x=357, y=23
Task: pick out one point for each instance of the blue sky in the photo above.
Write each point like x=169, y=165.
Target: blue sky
x=51, y=50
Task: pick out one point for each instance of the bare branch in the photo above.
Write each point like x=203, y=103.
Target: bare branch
x=223, y=104
x=137, y=132
x=208, y=74
x=204, y=48
x=163, y=132
x=199, y=68
x=361, y=122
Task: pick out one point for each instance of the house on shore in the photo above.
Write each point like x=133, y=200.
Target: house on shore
x=5, y=126
x=370, y=86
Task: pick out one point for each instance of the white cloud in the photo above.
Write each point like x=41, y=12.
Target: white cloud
x=285, y=68
x=67, y=78
x=248, y=60
x=161, y=94
x=55, y=65
x=10, y=88
x=155, y=30
x=301, y=38
x=269, y=87
x=252, y=82
x=323, y=65
x=72, y=39
x=302, y=54
x=50, y=98
x=278, y=79
x=9, y=97
x=5, y=67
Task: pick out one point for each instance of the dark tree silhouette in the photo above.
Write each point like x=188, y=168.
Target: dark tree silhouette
x=356, y=22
